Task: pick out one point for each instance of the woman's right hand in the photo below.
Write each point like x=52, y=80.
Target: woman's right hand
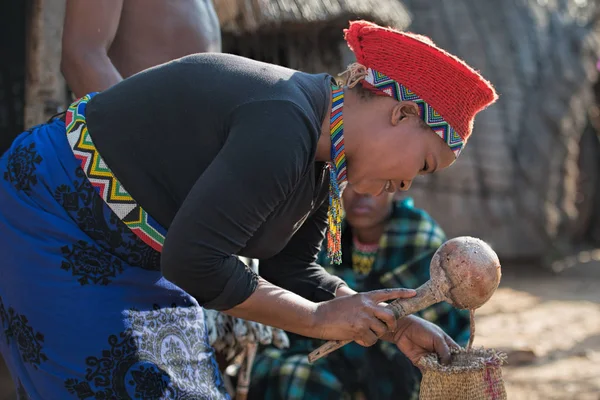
x=360, y=317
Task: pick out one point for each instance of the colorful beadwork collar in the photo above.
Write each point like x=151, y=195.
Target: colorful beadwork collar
x=363, y=256
x=337, y=176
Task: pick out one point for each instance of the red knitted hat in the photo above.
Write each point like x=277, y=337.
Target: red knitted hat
x=410, y=67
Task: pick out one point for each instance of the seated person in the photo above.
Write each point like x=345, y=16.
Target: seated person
x=386, y=243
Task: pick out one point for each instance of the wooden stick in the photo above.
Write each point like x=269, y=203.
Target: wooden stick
x=472, y=326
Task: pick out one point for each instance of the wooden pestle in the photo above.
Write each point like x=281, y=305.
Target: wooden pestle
x=465, y=272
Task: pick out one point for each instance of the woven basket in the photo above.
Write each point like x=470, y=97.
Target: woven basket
x=474, y=374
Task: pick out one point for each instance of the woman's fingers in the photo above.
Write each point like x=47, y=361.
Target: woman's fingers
x=367, y=338
x=364, y=317
x=381, y=318
x=442, y=348
x=386, y=316
x=450, y=342
x=378, y=296
x=378, y=327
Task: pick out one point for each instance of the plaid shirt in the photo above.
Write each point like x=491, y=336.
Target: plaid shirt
x=409, y=241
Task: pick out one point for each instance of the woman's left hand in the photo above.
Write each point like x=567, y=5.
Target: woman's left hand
x=416, y=337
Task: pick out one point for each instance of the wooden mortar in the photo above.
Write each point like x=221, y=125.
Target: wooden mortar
x=464, y=272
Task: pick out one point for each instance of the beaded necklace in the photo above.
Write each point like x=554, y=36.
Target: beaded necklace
x=363, y=256
x=337, y=176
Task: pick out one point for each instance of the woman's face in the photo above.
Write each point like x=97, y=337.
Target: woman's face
x=396, y=154
x=364, y=211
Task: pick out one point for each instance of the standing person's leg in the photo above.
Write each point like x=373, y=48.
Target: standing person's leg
x=84, y=310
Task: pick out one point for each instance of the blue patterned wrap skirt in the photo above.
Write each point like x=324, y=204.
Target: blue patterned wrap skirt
x=84, y=310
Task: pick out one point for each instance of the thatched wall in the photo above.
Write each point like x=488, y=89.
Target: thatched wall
x=300, y=34
x=243, y=17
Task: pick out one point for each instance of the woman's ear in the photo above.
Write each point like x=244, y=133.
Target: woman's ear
x=402, y=110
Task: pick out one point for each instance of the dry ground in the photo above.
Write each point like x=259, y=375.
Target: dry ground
x=555, y=317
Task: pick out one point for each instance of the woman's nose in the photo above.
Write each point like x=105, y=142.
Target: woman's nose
x=405, y=185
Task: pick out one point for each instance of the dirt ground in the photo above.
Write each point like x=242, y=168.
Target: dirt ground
x=550, y=327
x=549, y=324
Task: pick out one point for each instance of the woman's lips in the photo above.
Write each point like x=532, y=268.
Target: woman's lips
x=361, y=209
